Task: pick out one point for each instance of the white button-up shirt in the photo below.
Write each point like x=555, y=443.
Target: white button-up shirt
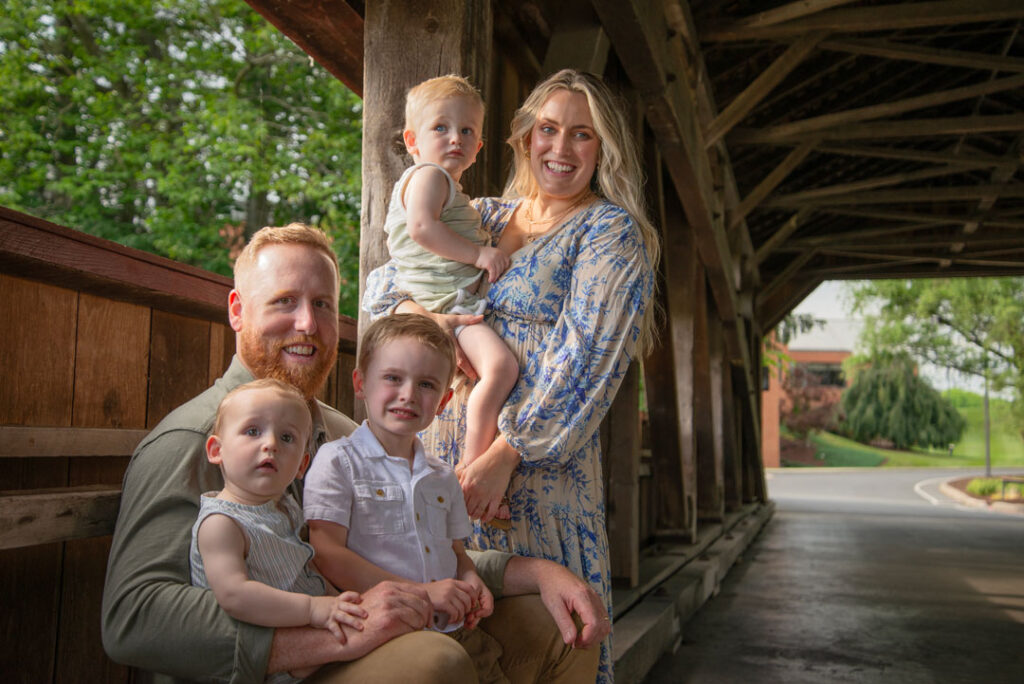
x=401, y=521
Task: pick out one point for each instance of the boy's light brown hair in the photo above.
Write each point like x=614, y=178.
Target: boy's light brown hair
x=397, y=326
x=292, y=234
x=286, y=391
x=439, y=88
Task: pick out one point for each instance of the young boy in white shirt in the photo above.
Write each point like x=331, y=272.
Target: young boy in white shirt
x=380, y=508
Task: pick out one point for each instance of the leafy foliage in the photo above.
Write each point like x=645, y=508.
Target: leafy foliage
x=972, y=325
x=175, y=127
x=889, y=401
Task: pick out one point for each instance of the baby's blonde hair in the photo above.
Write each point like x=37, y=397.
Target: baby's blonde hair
x=438, y=88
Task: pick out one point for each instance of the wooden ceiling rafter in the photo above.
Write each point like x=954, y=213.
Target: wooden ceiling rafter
x=876, y=18
x=911, y=52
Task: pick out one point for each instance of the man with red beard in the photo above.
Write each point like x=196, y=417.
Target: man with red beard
x=284, y=313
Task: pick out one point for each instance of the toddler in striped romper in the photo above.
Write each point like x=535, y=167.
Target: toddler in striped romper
x=245, y=543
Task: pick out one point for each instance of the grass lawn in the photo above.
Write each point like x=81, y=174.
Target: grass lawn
x=1007, y=444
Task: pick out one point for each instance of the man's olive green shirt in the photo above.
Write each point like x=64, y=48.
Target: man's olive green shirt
x=153, y=618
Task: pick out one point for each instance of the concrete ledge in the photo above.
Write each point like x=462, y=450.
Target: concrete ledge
x=652, y=626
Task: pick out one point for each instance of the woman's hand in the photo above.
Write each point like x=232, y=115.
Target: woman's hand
x=448, y=323
x=485, y=480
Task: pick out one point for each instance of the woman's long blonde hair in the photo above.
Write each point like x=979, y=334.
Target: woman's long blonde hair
x=618, y=177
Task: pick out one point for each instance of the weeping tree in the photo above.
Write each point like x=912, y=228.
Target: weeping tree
x=889, y=401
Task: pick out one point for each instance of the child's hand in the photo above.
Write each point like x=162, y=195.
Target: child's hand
x=452, y=597
x=331, y=612
x=483, y=605
x=492, y=260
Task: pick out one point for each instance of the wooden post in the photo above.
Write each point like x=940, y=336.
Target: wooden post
x=402, y=48
x=622, y=494
x=669, y=383
x=707, y=360
x=733, y=388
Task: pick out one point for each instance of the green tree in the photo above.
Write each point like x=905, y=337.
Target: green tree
x=972, y=325
x=174, y=126
x=888, y=400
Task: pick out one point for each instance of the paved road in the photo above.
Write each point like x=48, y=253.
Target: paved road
x=864, y=576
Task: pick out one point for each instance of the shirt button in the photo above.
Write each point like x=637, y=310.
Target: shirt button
x=440, y=499
x=427, y=548
x=417, y=517
x=380, y=492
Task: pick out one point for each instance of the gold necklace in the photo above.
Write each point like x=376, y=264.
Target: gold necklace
x=530, y=222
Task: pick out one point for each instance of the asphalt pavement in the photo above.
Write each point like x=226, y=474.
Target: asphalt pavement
x=863, y=576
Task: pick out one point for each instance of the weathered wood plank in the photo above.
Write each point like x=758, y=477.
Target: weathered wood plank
x=962, y=125
x=61, y=442
x=707, y=344
x=754, y=93
x=37, y=371
x=925, y=54
x=732, y=382
x=781, y=235
x=876, y=18
x=172, y=382
x=943, y=194
x=889, y=109
x=40, y=250
x=329, y=32
x=623, y=458
x=790, y=11
x=966, y=159
x=34, y=517
x=770, y=182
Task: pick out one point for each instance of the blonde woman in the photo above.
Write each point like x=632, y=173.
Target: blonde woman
x=575, y=308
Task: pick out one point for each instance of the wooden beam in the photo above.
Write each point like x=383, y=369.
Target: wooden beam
x=861, y=235
x=795, y=129
x=788, y=12
x=329, y=32
x=963, y=125
x=877, y=18
x=781, y=235
x=623, y=481
x=919, y=217
x=928, y=55
x=773, y=307
x=869, y=184
x=57, y=442
x=577, y=44
x=944, y=194
x=770, y=182
x=856, y=241
x=791, y=269
x=762, y=85
x=42, y=516
x=971, y=160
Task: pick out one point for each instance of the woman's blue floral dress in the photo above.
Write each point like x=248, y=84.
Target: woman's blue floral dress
x=570, y=307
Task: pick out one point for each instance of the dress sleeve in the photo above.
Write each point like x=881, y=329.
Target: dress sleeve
x=567, y=385
x=151, y=613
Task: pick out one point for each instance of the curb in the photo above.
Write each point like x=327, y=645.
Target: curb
x=968, y=500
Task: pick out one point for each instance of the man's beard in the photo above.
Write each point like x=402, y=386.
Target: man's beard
x=263, y=358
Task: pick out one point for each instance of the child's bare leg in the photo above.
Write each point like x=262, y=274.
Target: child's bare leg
x=498, y=371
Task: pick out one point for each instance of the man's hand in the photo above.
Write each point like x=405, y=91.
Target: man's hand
x=563, y=594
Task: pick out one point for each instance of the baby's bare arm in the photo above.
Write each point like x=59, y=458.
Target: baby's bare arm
x=222, y=546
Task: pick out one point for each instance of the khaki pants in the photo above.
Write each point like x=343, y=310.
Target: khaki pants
x=532, y=653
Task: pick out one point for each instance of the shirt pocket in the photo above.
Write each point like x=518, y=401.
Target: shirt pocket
x=379, y=508
x=438, y=508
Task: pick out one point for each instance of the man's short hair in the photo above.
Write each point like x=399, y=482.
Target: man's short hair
x=439, y=88
x=287, y=391
x=398, y=326
x=292, y=234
